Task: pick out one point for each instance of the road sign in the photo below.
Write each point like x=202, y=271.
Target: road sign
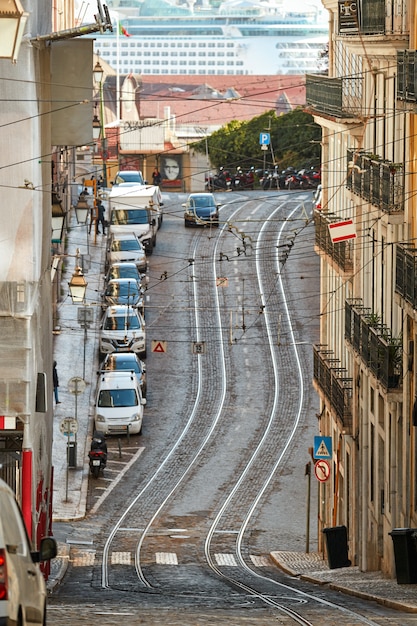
x=69, y=426
x=264, y=139
x=322, y=447
x=159, y=346
x=76, y=385
x=199, y=347
x=322, y=470
x=341, y=231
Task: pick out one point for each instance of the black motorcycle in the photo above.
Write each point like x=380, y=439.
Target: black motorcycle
x=98, y=454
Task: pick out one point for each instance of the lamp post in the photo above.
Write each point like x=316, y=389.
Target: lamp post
x=82, y=211
x=12, y=24
x=77, y=284
x=58, y=219
x=98, y=124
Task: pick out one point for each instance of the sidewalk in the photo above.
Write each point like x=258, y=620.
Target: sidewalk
x=70, y=484
x=76, y=353
x=350, y=580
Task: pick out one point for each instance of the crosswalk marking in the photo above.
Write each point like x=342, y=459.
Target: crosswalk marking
x=83, y=558
x=259, y=561
x=166, y=558
x=225, y=559
x=121, y=558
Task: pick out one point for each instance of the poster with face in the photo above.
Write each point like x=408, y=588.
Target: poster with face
x=171, y=171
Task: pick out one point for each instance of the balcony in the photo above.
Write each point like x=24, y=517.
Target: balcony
x=406, y=274
x=372, y=341
x=335, y=386
x=407, y=75
x=341, y=252
x=373, y=17
x=379, y=182
x=335, y=97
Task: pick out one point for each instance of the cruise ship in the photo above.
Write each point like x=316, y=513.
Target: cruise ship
x=234, y=37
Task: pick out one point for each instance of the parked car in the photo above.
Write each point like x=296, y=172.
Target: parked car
x=126, y=247
x=122, y=330
x=129, y=176
x=22, y=585
x=126, y=269
x=201, y=209
x=126, y=361
x=119, y=404
x=123, y=291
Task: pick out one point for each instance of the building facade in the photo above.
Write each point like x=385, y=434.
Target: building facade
x=44, y=83
x=365, y=365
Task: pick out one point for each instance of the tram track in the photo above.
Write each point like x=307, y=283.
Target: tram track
x=270, y=439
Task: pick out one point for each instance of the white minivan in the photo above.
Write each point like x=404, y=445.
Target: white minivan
x=119, y=403
x=22, y=585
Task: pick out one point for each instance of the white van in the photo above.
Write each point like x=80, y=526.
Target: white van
x=119, y=403
x=22, y=585
x=136, y=209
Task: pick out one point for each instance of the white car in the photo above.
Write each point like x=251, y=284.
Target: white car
x=122, y=330
x=119, y=403
x=22, y=585
x=126, y=247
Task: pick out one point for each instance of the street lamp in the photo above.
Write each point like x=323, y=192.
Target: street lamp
x=77, y=286
x=98, y=124
x=12, y=24
x=58, y=219
x=82, y=210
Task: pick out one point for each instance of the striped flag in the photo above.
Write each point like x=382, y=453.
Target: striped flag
x=123, y=31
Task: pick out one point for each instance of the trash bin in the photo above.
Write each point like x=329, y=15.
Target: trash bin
x=405, y=553
x=72, y=454
x=337, y=546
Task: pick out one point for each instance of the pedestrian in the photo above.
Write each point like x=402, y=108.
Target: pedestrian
x=55, y=383
x=84, y=192
x=100, y=218
x=156, y=176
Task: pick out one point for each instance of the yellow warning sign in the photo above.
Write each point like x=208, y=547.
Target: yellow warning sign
x=159, y=346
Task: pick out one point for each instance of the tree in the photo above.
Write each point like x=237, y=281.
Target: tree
x=295, y=141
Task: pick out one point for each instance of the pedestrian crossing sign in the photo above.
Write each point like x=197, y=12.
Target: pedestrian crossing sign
x=322, y=447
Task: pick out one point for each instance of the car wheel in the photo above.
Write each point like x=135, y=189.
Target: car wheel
x=185, y=223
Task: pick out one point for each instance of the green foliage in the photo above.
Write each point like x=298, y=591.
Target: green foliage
x=295, y=141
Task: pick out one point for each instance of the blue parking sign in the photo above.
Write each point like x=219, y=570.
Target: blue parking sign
x=264, y=139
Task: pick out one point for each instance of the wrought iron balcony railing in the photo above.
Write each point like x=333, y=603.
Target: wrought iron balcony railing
x=373, y=17
x=406, y=273
x=372, y=340
x=379, y=182
x=341, y=252
x=407, y=75
x=337, y=97
x=335, y=386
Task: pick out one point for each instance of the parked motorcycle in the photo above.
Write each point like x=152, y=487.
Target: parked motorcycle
x=221, y=180
x=97, y=454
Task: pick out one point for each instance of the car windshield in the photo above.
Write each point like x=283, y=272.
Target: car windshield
x=121, y=322
x=199, y=202
x=123, y=217
x=122, y=289
x=123, y=245
x=130, y=365
x=117, y=398
x=129, y=177
x=124, y=272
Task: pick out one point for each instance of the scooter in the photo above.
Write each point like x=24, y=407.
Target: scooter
x=97, y=454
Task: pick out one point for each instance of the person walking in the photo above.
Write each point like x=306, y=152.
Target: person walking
x=156, y=177
x=100, y=218
x=55, y=383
